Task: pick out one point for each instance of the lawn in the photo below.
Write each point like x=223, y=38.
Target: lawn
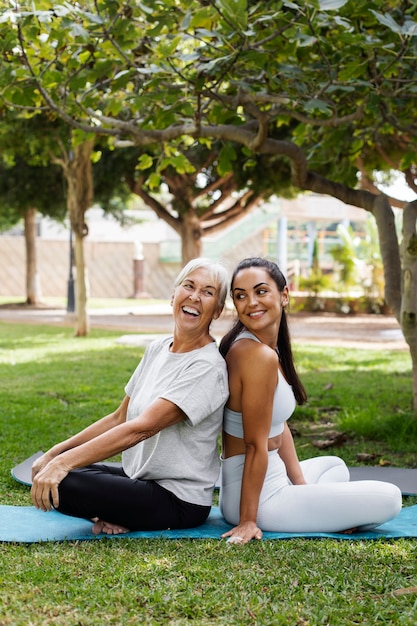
x=52, y=384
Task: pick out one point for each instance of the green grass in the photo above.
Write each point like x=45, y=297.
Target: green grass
x=52, y=384
x=366, y=394
x=93, y=303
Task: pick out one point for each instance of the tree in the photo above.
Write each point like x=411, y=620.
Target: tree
x=359, y=260
x=77, y=167
x=25, y=190
x=336, y=78
x=43, y=169
x=205, y=194
x=42, y=152
x=28, y=184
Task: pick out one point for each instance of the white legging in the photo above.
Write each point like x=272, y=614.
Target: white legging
x=328, y=503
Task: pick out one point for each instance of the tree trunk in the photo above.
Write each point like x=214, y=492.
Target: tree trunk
x=408, y=318
x=414, y=362
x=399, y=261
x=390, y=253
x=79, y=177
x=191, y=233
x=33, y=288
x=83, y=321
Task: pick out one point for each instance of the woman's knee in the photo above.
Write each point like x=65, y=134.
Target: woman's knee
x=325, y=469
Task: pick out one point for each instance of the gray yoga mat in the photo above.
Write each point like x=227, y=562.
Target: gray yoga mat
x=404, y=478
x=23, y=472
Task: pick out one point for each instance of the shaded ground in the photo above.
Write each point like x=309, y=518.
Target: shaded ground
x=138, y=325
x=376, y=331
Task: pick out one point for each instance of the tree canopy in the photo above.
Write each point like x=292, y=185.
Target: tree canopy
x=28, y=178
x=328, y=74
x=326, y=87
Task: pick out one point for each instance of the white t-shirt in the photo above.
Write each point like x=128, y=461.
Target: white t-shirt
x=182, y=458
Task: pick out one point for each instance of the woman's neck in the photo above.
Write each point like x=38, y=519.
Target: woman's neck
x=187, y=343
x=268, y=336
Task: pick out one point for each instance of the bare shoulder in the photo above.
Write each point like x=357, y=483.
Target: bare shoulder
x=247, y=354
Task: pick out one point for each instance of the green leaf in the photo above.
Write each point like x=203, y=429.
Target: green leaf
x=60, y=10
x=226, y=157
x=331, y=5
x=182, y=164
x=151, y=69
x=386, y=20
x=305, y=40
x=235, y=11
x=77, y=82
x=154, y=181
x=213, y=64
x=317, y=105
x=93, y=17
x=145, y=161
x=350, y=70
x=409, y=28
x=202, y=18
x=79, y=32
x=26, y=96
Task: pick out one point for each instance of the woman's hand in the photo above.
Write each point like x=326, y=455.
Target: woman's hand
x=243, y=533
x=44, y=490
x=40, y=463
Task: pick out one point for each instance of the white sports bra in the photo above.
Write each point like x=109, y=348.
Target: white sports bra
x=283, y=406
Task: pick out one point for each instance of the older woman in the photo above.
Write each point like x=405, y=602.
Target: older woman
x=166, y=426
x=264, y=486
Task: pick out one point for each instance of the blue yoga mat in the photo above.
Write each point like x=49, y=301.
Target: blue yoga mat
x=404, y=478
x=26, y=524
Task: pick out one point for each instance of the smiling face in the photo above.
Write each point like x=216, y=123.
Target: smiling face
x=258, y=301
x=195, y=301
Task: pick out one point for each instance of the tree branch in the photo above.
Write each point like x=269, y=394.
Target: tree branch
x=136, y=187
x=233, y=215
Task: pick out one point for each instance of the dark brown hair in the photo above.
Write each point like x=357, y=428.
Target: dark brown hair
x=283, y=339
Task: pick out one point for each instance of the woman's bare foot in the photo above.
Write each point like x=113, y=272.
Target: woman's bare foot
x=100, y=526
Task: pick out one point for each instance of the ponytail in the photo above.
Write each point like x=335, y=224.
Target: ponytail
x=283, y=339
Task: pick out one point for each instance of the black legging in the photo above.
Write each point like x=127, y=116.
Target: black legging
x=107, y=493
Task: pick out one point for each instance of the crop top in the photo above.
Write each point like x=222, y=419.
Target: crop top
x=283, y=405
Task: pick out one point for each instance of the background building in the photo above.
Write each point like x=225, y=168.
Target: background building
x=143, y=256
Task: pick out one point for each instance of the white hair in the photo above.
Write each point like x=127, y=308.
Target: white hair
x=218, y=273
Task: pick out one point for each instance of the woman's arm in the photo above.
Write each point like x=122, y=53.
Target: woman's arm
x=288, y=454
x=87, y=434
x=258, y=367
x=106, y=443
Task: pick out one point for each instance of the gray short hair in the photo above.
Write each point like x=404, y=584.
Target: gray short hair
x=218, y=273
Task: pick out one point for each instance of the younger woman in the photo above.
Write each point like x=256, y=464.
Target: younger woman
x=264, y=486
